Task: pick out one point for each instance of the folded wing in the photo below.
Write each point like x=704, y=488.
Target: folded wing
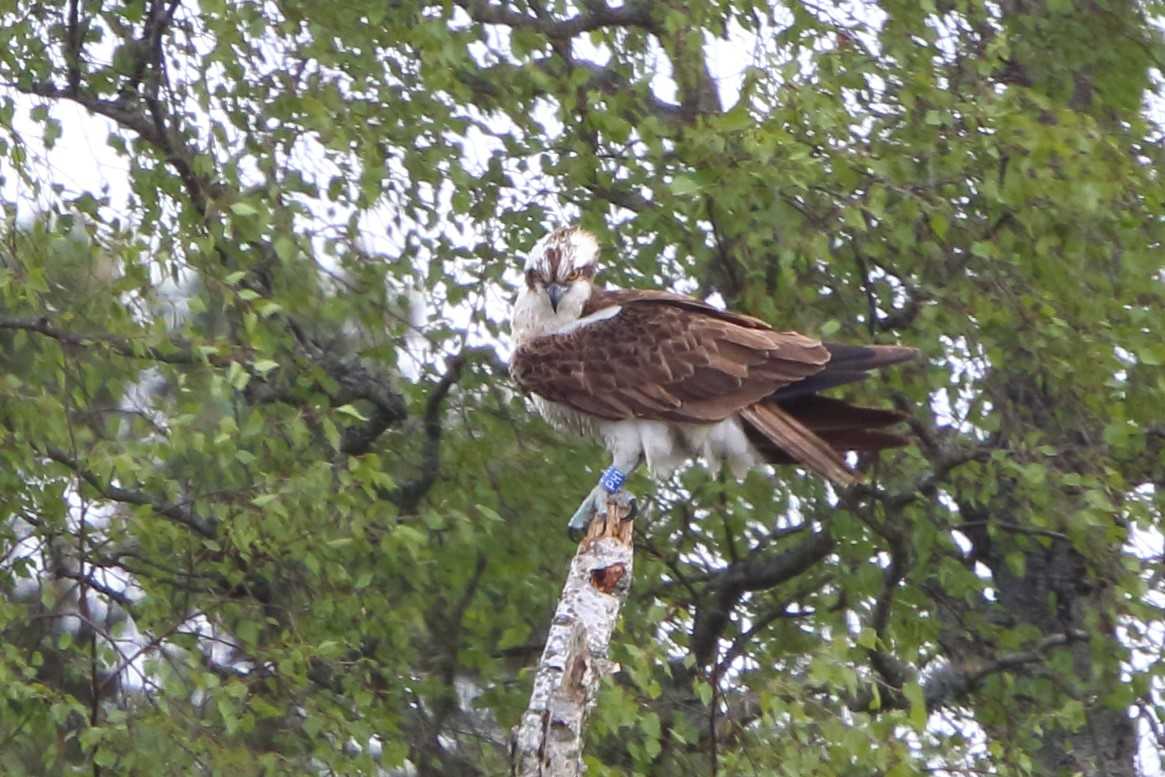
x=672, y=358
x=660, y=360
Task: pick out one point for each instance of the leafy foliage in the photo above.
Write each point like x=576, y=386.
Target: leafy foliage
x=263, y=516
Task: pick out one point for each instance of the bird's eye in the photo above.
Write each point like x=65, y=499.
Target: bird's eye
x=573, y=276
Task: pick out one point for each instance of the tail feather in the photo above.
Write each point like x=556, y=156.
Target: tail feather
x=864, y=440
x=796, y=440
x=796, y=426
x=859, y=440
x=868, y=357
x=822, y=414
x=847, y=364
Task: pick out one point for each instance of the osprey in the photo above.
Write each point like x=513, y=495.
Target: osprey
x=661, y=377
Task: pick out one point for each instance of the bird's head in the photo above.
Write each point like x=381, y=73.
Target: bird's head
x=560, y=269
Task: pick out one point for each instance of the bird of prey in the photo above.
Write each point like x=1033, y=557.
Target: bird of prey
x=661, y=377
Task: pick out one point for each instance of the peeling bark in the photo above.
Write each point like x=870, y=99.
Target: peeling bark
x=548, y=741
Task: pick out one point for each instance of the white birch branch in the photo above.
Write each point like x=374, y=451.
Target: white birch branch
x=548, y=741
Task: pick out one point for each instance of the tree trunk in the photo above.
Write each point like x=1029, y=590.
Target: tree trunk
x=548, y=741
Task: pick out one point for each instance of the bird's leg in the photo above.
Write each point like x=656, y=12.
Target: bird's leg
x=610, y=482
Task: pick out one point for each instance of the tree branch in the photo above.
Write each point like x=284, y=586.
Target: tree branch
x=764, y=620
x=178, y=513
x=123, y=346
x=358, y=381
x=89, y=581
x=74, y=43
x=487, y=82
x=409, y=495
x=632, y=14
x=698, y=92
x=548, y=740
x=756, y=572
x=950, y=683
x=175, y=152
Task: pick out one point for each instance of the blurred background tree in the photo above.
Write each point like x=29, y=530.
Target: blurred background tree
x=271, y=505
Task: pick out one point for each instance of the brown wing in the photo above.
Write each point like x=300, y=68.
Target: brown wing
x=665, y=357
x=602, y=298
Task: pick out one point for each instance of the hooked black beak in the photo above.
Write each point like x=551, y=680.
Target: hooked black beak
x=555, y=292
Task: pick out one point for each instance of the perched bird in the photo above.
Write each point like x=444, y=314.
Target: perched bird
x=662, y=378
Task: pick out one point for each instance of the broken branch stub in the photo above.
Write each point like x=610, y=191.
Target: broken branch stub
x=548, y=740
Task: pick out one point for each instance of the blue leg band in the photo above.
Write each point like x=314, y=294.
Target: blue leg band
x=612, y=480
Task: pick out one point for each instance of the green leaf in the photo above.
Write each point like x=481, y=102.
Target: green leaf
x=918, y=713
x=244, y=209
x=683, y=185
x=351, y=411
x=939, y=223
x=331, y=433
x=703, y=692
x=285, y=248
x=868, y=638
x=1153, y=356
x=237, y=376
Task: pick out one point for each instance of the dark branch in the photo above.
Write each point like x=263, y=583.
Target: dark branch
x=621, y=196
x=757, y=572
x=699, y=94
x=885, y=664
x=762, y=571
x=74, y=41
x=949, y=684
x=123, y=346
x=777, y=612
x=632, y=14
x=181, y=514
x=485, y=82
x=943, y=462
x=174, y=150
x=89, y=581
x=150, y=45
x=409, y=495
x=356, y=381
